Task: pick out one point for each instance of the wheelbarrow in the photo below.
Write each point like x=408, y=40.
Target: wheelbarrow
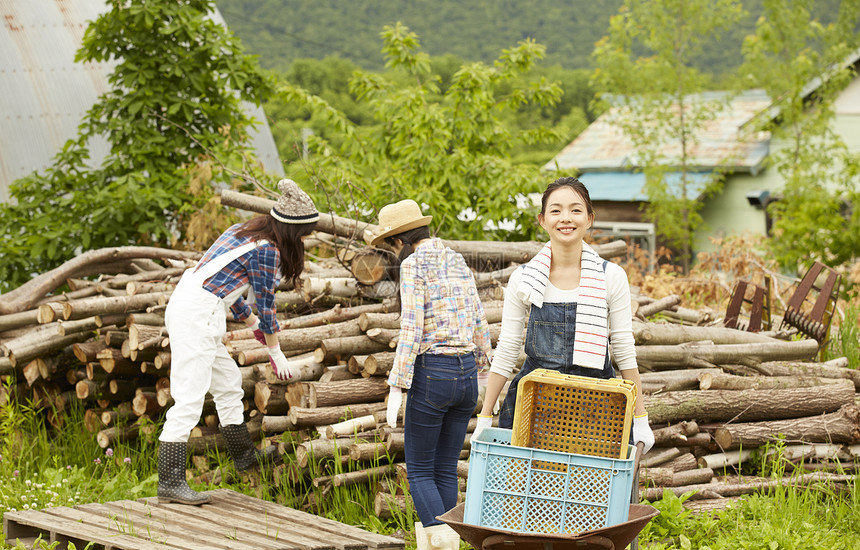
x=613, y=537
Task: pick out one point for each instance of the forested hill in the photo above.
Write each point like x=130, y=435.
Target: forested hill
x=280, y=31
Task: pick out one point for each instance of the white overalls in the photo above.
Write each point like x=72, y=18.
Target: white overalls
x=196, y=320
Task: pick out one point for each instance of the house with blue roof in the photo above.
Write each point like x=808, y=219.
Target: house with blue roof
x=728, y=147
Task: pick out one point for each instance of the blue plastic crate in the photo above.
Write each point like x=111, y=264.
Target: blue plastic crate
x=531, y=490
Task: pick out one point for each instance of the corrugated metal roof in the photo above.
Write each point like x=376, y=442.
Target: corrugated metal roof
x=628, y=186
x=44, y=93
x=721, y=143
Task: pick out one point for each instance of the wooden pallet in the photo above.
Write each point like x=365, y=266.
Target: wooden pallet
x=232, y=521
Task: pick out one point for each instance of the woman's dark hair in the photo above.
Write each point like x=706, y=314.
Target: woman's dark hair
x=286, y=237
x=409, y=238
x=576, y=185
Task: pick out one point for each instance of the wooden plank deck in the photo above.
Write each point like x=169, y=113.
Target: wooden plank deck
x=232, y=521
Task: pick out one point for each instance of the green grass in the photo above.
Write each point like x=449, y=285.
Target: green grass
x=41, y=468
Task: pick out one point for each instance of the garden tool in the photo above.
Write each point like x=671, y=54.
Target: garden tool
x=172, y=486
x=245, y=455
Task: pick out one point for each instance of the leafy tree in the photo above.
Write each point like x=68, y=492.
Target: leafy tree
x=175, y=100
x=646, y=60
x=447, y=150
x=817, y=216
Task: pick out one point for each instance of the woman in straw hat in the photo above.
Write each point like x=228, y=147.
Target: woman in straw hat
x=251, y=256
x=574, y=305
x=444, y=342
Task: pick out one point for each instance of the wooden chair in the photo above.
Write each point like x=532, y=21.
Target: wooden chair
x=813, y=317
x=758, y=314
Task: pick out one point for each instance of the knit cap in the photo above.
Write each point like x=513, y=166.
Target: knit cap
x=294, y=205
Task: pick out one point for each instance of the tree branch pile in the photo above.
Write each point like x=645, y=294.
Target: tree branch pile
x=716, y=397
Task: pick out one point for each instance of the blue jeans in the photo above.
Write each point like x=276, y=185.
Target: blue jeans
x=439, y=405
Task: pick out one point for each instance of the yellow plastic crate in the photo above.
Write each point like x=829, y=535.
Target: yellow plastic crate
x=573, y=414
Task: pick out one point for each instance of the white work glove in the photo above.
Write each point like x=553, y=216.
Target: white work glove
x=395, y=399
x=483, y=378
x=279, y=363
x=483, y=422
x=642, y=432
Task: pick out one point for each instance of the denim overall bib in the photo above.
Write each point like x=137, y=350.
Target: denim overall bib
x=549, y=345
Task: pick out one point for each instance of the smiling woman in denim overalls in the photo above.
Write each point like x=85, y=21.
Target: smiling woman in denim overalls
x=444, y=342
x=248, y=257
x=577, y=306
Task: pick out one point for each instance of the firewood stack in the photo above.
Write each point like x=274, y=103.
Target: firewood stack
x=714, y=395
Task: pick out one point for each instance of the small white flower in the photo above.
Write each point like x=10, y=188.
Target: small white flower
x=26, y=506
x=65, y=480
x=27, y=483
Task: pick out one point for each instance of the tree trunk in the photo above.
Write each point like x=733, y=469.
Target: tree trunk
x=653, y=334
x=78, y=309
x=730, y=489
x=141, y=336
x=675, y=433
x=501, y=252
x=657, y=456
x=320, y=449
x=362, y=476
x=336, y=314
x=367, y=321
x=271, y=398
x=346, y=392
x=842, y=426
x=371, y=265
x=658, y=305
x=108, y=436
x=304, y=417
x=747, y=405
x=26, y=295
x=339, y=372
x=277, y=424
x=666, y=477
x=379, y=364
x=800, y=368
x=332, y=349
x=710, y=355
x=388, y=336
x=145, y=403
x=16, y=320
x=719, y=381
x=18, y=356
x=719, y=461
x=112, y=361
x=686, y=461
x=351, y=426
x=673, y=380
x=385, y=505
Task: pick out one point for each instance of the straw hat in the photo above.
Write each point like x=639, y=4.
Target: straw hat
x=397, y=218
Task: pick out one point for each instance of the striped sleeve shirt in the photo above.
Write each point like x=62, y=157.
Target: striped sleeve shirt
x=257, y=268
x=441, y=313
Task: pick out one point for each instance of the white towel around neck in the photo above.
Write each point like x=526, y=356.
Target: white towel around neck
x=591, y=340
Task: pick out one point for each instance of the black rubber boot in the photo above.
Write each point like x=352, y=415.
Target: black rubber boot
x=245, y=455
x=172, y=486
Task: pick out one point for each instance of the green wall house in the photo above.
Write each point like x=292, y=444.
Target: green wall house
x=605, y=160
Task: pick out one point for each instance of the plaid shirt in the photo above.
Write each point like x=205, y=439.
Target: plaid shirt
x=441, y=313
x=257, y=268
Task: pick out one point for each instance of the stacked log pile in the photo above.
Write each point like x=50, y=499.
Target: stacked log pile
x=715, y=395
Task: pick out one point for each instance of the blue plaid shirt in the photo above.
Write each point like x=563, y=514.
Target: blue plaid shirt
x=258, y=267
